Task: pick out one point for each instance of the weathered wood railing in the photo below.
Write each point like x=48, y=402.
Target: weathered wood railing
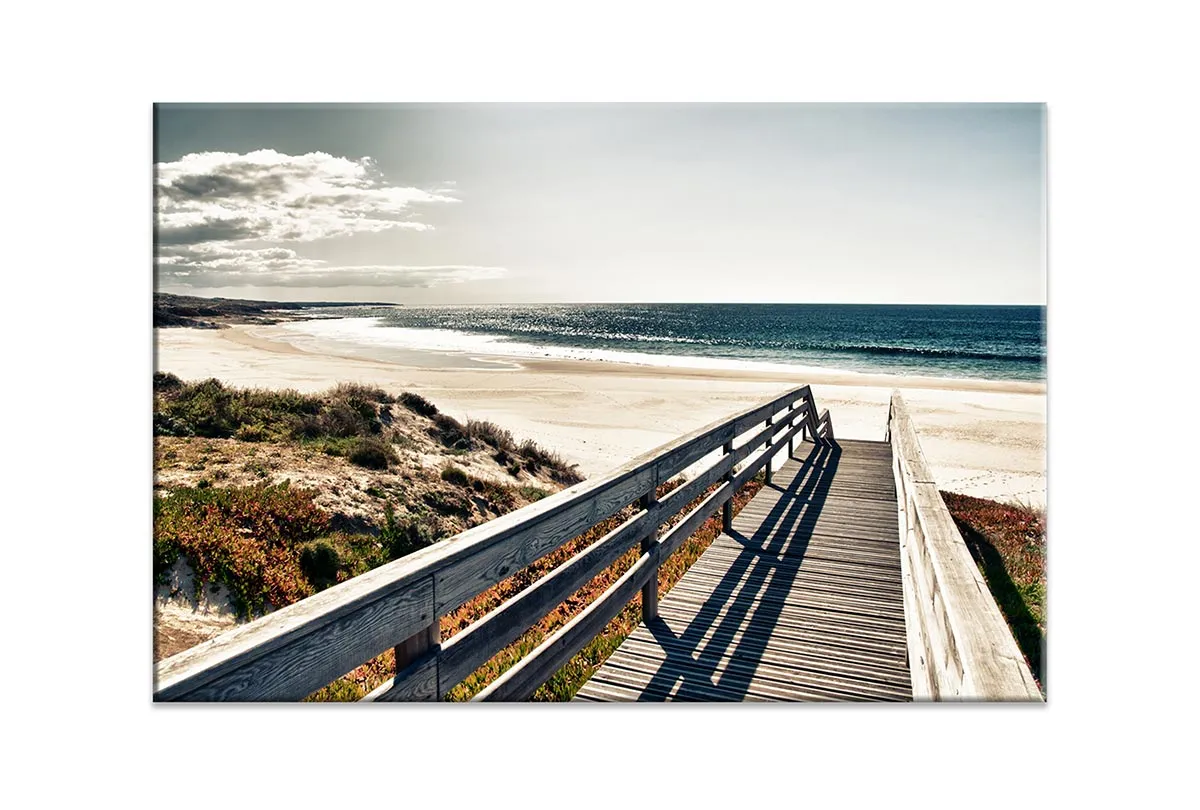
x=296, y=650
x=959, y=645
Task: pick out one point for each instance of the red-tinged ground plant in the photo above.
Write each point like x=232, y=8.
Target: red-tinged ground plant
x=245, y=538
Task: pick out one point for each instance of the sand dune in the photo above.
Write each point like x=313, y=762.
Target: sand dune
x=982, y=438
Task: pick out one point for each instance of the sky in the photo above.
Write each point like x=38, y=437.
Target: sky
x=530, y=203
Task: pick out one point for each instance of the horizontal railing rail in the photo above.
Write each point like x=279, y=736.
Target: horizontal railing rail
x=292, y=652
x=960, y=647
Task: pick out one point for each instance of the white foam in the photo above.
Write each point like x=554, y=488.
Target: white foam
x=367, y=333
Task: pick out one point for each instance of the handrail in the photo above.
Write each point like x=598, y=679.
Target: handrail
x=292, y=652
x=959, y=645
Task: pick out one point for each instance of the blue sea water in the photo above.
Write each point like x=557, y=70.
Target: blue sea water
x=982, y=342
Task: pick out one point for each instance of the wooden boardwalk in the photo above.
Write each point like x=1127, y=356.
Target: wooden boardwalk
x=801, y=600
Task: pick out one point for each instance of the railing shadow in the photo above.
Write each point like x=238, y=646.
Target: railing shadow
x=1025, y=630
x=761, y=584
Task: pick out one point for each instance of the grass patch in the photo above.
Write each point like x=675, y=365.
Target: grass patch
x=212, y=410
x=537, y=457
x=532, y=494
x=492, y=434
x=1008, y=543
x=401, y=537
x=451, y=433
x=455, y=475
x=371, y=452
x=245, y=538
x=418, y=404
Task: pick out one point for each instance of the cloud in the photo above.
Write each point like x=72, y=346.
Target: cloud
x=270, y=196
x=228, y=219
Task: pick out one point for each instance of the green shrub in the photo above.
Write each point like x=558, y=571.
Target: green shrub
x=210, y=409
x=450, y=432
x=446, y=502
x=536, y=457
x=320, y=562
x=502, y=496
x=358, y=391
x=400, y=538
x=166, y=381
x=455, y=475
x=532, y=494
x=490, y=433
x=418, y=404
x=372, y=453
x=251, y=433
x=341, y=419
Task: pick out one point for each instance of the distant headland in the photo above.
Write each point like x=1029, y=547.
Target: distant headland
x=215, y=313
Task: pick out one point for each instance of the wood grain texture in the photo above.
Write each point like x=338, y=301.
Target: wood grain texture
x=312, y=648
x=470, y=649
x=416, y=683
x=522, y=680
x=786, y=605
x=966, y=649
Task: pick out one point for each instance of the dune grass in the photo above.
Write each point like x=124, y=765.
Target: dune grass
x=1008, y=543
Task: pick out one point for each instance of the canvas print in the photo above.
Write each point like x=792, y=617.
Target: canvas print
x=599, y=402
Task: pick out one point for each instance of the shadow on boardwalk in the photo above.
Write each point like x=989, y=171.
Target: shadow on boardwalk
x=764, y=585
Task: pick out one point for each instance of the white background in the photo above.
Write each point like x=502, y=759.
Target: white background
x=79, y=84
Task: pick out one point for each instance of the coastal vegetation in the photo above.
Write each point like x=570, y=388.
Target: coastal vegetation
x=266, y=497
x=1008, y=543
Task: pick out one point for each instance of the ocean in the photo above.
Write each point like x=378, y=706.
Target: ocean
x=979, y=342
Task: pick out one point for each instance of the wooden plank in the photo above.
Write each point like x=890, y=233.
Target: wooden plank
x=968, y=651
x=800, y=622
x=992, y=663
x=416, y=682
x=739, y=676
x=748, y=648
x=526, y=542
x=296, y=650
x=735, y=684
x=523, y=679
x=795, y=615
x=474, y=646
x=769, y=590
x=783, y=647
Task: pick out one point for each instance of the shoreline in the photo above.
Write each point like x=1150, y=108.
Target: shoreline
x=982, y=437
x=243, y=334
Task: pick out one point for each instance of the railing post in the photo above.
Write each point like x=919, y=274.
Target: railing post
x=811, y=425
x=791, y=423
x=650, y=589
x=727, y=509
x=770, y=460
x=417, y=645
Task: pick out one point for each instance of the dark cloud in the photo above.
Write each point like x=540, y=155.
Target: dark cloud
x=216, y=210
x=209, y=230
x=215, y=186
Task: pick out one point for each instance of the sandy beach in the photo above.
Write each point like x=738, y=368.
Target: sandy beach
x=983, y=438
